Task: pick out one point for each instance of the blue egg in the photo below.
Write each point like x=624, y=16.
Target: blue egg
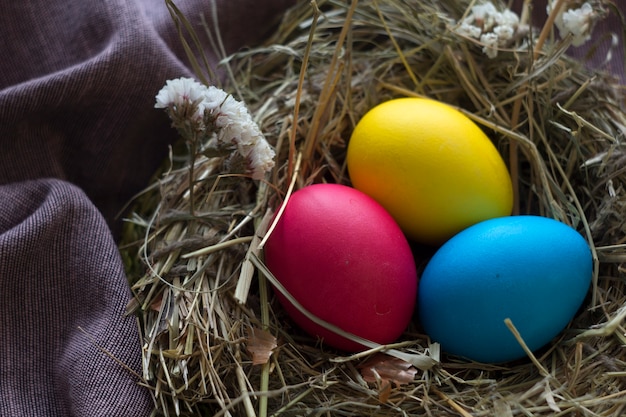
x=533, y=270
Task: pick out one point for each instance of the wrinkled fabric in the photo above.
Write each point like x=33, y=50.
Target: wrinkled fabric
x=78, y=137
x=78, y=83
x=63, y=300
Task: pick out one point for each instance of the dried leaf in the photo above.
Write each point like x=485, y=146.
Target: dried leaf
x=260, y=345
x=384, y=368
x=384, y=392
x=157, y=303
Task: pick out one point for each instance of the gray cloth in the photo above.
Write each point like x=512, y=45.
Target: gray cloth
x=78, y=137
x=63, y=299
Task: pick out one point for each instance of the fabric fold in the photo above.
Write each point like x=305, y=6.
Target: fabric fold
x=67, y=348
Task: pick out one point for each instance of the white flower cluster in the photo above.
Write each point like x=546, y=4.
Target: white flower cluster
x=493, y=28
x=577, y=22
x=179, y=92
x=214, y=111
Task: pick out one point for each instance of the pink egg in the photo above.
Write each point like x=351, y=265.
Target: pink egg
x=344, y=258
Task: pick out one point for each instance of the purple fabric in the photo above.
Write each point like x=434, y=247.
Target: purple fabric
x=78, y=137
x=63, y=299
x=79, y=80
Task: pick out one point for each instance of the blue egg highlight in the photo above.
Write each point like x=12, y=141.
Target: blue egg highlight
x=531, y=269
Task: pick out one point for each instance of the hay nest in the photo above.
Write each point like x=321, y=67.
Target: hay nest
x=215, y=342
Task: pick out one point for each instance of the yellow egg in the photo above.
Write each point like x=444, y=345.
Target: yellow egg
x=431, y=167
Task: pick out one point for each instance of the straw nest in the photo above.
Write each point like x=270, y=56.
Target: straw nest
x=216, y=343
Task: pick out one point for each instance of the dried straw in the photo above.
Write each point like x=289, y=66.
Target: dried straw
x=202, y=297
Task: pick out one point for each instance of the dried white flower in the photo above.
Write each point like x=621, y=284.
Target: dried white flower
x=490, y=44
x=212, y=99
x=179, y=91
x=469, y=30
x=231, y=112
x=577, y=22
x=507, y=18
x=217, y=114
x=503, y=33
x=260, y=159
x=491, y=27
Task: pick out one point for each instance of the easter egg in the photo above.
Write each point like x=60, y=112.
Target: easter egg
x=430, y=166
x=345, y=260
x=532, y=270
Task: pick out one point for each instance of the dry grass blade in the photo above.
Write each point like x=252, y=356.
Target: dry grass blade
x=199, y=280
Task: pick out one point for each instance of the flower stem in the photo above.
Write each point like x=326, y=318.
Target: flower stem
x=191, y=145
